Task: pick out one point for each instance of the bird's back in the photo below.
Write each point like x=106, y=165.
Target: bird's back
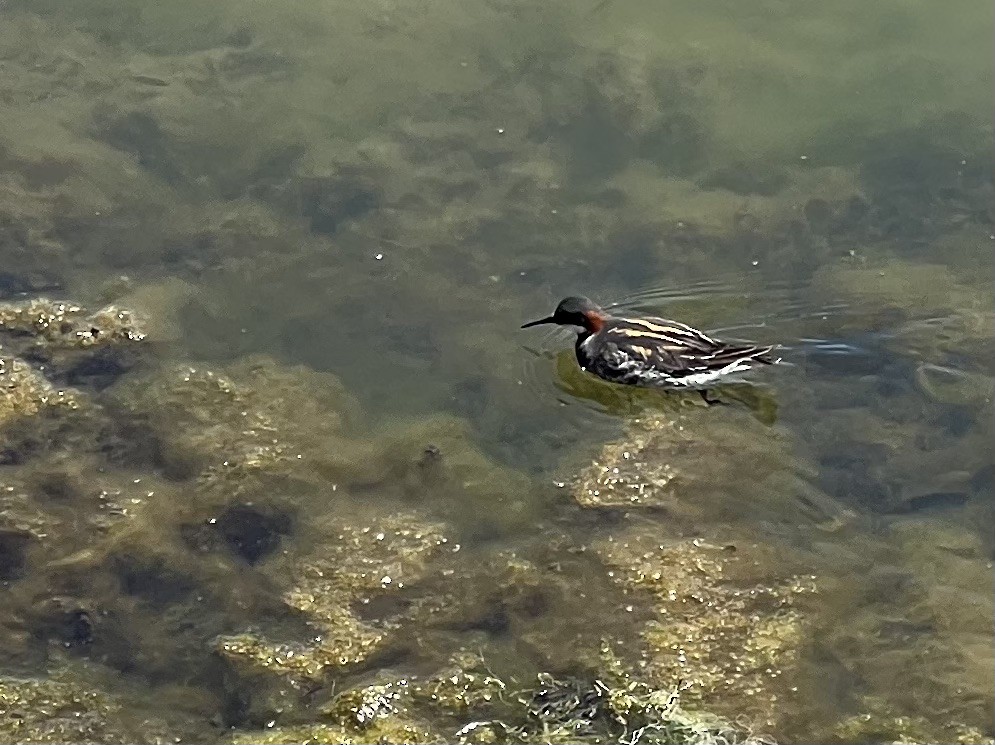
x=660, y=352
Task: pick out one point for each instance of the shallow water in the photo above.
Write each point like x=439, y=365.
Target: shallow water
x=349, y=210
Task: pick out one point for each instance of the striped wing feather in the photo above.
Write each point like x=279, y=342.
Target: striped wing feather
x=678, y=348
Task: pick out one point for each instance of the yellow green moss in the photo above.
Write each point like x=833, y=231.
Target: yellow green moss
x=70, y=326
x=53, y=711
x=690, y=463
x=24, y=392
x=878, y=723
x=722, y=626
x=387, y=732
x=465, y=687
x=359, y=563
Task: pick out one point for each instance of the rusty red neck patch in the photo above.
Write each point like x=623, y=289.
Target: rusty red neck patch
x=593, y=321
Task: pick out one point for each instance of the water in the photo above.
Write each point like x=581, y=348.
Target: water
x=338, y=216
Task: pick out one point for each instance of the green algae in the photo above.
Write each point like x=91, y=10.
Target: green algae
x=176, y=524
x=877, y=723
x=614, y=708
x=735, y=625
x=630, y=710
x=687, y=462
x=361, y=563
x=466, y=688
x=54, y=712
x=59, y=711
x=722, y=628
x=65, y=325
x=327, y=734
x=25, y=393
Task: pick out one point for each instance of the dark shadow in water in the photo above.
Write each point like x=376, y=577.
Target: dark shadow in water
x=14, y=285
x=14, y=545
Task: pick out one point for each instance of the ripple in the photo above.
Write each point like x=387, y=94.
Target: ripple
x=817, y=337
x=769, y=306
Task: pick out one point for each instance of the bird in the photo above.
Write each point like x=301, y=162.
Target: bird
x=651, y=352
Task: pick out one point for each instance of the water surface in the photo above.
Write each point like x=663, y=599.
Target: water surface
x=345, y=211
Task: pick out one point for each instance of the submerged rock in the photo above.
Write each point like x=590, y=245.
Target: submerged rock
x=949, y=385
x=909, y=432
x=53, y=711
x=929, y=311
x=896, y=283
x=386, y=732
x=66, y=325
x=610, y=706
x=46, y=501
x=724, y=627
x=697, y=467
x=234, y=427
x=939, y=575
x=183, y=507
x=72, y=345
x=24, y=392
x=878, y=723
x=353, y=567
x=724, y=612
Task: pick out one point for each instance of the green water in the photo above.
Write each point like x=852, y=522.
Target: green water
x=345, y=211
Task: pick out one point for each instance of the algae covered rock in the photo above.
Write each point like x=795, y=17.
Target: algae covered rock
x=236, y=458
x=234, y=425
x=739, y=614
x=73, y=345
x=384, y=733
x=724, y=610
x=611, y=705
x=49, y=351
x=697, y=467
x=24, y=392
x=877, y=722
x=53, y=711
x=66, y=325
x=361, y=564
x=722, y=626
x=939, y=573
x=356, y=564
x=65, y=505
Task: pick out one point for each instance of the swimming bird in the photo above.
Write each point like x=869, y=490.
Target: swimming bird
x=651, y=352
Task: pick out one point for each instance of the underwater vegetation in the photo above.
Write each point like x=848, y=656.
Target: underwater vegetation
x=275, y=465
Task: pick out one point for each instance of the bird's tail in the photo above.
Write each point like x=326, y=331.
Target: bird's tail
x=766, y=355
